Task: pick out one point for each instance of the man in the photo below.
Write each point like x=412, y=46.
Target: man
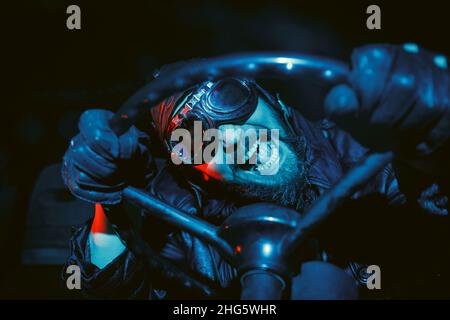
x=397, y=99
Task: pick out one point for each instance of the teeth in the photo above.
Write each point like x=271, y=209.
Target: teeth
x=250, y=152
x=268, y=156
x=264, y=154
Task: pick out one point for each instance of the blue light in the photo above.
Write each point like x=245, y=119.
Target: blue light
x=289, y=65
x=440, y=61
x=328, y=73
x=411, y=47
x=405, y=80
x=267, y=249
x=378, y=53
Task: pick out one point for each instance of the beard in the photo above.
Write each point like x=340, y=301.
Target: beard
x=295, y=192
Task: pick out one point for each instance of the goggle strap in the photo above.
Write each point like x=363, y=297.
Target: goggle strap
x=287, y=113
x=285, y=110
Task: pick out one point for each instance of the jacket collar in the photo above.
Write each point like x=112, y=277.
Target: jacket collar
x=324, y=166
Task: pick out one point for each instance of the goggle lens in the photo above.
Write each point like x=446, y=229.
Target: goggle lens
x=228, y=96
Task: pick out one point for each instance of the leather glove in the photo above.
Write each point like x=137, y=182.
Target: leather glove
x=397, y=98
x=98, y=164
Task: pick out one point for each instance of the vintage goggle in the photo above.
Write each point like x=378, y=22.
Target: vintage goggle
x=229, y=100
x=226, y=101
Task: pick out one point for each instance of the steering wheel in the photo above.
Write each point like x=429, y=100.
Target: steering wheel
x=282, y=227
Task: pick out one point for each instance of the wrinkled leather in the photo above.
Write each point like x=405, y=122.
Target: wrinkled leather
x=331, y=153
x=405, y=84
x=402, y=97
x=124, y=278
x=98, y=164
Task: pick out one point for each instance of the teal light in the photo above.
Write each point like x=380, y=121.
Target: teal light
x=411, y=47
x=440, y=61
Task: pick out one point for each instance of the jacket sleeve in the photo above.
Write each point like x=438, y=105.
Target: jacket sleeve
x=125, y=277
x=350, y=153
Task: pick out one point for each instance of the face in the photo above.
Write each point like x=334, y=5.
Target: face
x=278, y=174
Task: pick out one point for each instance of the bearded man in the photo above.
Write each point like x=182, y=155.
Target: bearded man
x=397, y=99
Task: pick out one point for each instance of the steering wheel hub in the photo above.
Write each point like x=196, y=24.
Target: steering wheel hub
x=256, y=233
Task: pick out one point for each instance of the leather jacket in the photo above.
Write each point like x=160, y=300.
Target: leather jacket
x=330, y=153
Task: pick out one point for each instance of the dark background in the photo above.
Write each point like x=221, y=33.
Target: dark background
x=53, y=74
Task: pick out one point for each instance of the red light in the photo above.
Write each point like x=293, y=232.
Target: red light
x=100, y=223
x=238, y=249
x=209, y=171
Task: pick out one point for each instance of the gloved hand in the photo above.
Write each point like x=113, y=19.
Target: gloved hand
x=397, y=98
x=98, y=164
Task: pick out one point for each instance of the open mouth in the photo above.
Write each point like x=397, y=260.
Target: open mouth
x=262, y=158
